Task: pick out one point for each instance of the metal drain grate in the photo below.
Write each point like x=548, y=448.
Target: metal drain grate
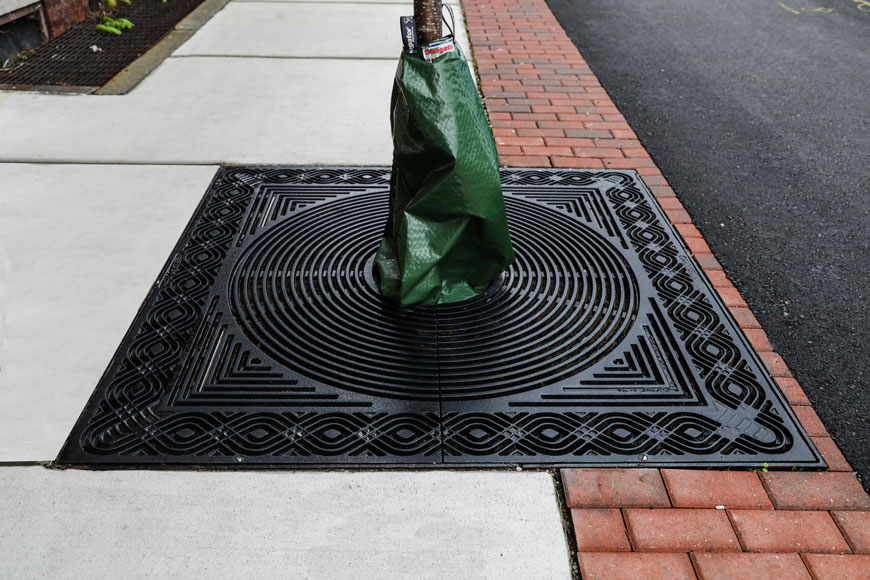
x=265, y=341
x=68, y=60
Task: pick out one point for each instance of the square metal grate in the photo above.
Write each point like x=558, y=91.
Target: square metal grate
x=265, y=342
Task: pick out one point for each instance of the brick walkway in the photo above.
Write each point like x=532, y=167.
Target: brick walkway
x=549, y=110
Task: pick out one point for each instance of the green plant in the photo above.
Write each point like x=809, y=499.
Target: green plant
x=16, y=60
x=23, y=55
x=114, y=26
x=112, y=4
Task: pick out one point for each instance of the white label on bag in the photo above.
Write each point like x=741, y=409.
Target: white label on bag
x=438, y=48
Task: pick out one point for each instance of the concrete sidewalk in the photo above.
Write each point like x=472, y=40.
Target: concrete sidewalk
x=88, y=215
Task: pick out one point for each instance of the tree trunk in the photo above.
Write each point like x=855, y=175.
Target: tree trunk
x=427, y=14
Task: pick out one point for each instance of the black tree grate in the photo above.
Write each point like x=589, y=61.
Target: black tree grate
x=265, y=342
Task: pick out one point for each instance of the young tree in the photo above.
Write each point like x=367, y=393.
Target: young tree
x=427, y=14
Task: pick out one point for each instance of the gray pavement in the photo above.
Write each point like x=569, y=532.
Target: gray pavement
x=296, y=29
x=94, y=193
x=81, y=244
x=213, y=110
x=756, y=114
x=242, y=90
x=264, y=525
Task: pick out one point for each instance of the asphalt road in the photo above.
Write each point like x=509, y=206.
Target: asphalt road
x=758, y=113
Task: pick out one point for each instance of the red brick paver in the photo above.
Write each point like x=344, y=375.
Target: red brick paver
x=709, y=262
x=826, y=567
x=680, y=530
x=856, y=528
x=816, y=491
x=731, y=297
x=788, y=531
x=792, y=390
x=757, y=337
x=585, y=488
x=744, y=317
x=750, y=567
x=623, y=566
x=831, y=454
x=533, y=79
x=600, y=530
x=717, y=277
x=810, y=421
x=689, y=488
x=775, y=365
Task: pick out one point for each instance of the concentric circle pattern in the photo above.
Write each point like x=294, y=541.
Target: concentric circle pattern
x=304, y=292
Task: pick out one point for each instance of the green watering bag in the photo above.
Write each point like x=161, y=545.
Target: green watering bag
x=446, y=238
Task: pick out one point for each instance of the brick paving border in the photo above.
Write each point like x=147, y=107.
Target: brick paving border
x=548, y=110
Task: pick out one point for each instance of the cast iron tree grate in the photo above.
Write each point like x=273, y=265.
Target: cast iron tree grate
x=265, y=342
